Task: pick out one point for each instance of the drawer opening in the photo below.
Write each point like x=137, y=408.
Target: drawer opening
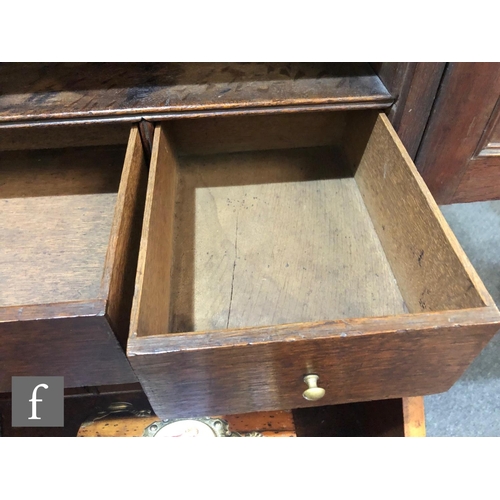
x=269, y=220
x=58, y=195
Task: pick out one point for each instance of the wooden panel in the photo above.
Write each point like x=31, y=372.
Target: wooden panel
x=414, y=87
x=480, y=182
x=415, y=111
x=490, y=142
x=61, y=172
x=240, y=221
x=64, y=136
x=83, y=350
x=432, y=271
x=55, y=222
x=123, y=249
x=62, y=91
x=397, y=78
x=262, y=369
x=48, y=311
x=250, y=133
x=150, y=311
x=56, y=248
x=414, y=417
x=268, y=422
x=465, y=102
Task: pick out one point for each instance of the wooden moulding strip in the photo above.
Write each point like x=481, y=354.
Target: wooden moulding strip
x=156, y=117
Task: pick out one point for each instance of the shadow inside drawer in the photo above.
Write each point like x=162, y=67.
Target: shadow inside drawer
x=56, y=209
x=273, y=237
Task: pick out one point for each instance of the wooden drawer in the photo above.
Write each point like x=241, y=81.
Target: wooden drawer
x=279, y=246
x=71, y=205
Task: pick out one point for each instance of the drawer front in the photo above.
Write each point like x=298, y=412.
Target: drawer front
x=82, y=350
x=199, y=341
x=359, y=361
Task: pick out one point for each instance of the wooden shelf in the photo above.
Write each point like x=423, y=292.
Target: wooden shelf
x=44, y=93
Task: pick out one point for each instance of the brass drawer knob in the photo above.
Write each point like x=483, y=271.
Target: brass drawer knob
x=313, y=392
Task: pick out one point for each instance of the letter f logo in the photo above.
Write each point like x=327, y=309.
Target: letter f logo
x=34, y=401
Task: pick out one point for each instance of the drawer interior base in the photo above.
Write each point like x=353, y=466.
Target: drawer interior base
x=274, y=237
x=56, y=211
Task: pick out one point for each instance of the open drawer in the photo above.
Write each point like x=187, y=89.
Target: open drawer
x=71, y=203
x=275, y=247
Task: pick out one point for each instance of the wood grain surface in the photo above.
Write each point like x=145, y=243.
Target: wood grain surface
x=235, y=134
x=53, y=311
x=414, y=112
x=261, y=369
x=57, y=212
x=397, y=78
x=117, y=284
x=228, y=369
x=267, y=238
x=480, y=181
x=83, y=350
x=490, y=140
x=465, y=102
x=54, y=248
x=414, y=87
x=414, y=417
x=55, y=224
x=61, y=171
x=150, y=308
x=61, y=91
x=64, y=136
x=432, y=271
